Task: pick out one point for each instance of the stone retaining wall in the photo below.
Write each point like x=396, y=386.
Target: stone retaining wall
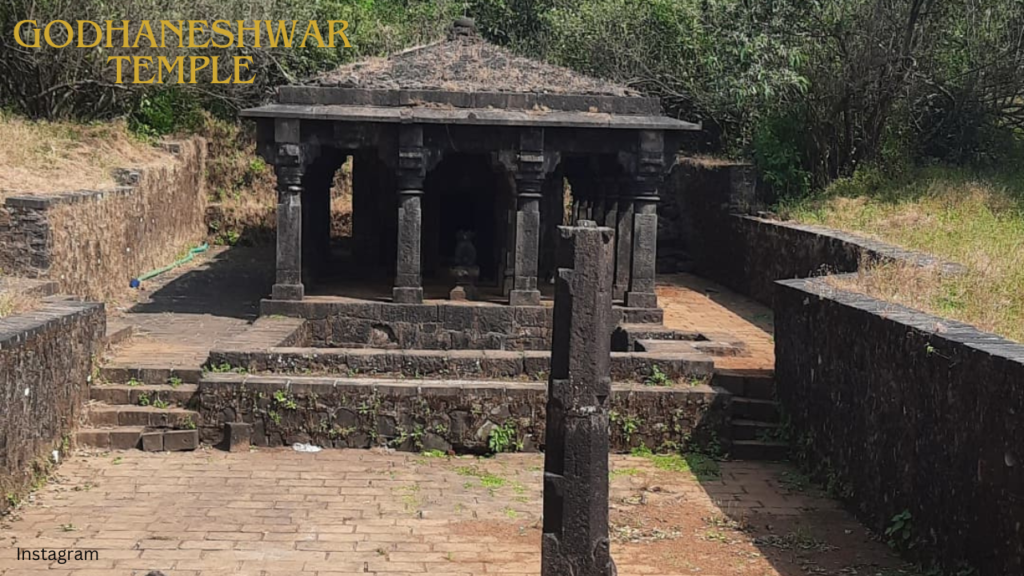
x=421, y=415
x=709, y=231
x=485, y=364
x=899, y=410
x=46, y=359
x=94, y=242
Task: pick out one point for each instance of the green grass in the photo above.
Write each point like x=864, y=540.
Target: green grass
x=977, y=221
x=702, y=466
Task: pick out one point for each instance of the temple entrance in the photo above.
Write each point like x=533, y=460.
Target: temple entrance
x=464, y=196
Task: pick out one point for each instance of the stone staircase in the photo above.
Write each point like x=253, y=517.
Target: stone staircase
x=755, y=414
x=153, y=414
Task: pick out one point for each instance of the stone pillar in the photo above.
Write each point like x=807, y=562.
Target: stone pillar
x=530, y=174
x=412, y=170
x=575, y=538
x=649, y=175
x=623, y=240
x=290, y=161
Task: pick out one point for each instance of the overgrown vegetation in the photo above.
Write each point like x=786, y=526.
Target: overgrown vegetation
x=977, y=221
x=812, y=90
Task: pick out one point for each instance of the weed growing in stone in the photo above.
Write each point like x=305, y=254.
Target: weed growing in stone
x=504, y=438
x=144, y=399
x=285, y=400
x=174, y=381
x=657, y=377
x=223, y=368
x=134, y=382
x=900, y=532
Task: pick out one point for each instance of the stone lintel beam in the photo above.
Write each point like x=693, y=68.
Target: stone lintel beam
x=647, y=176
x=575, y=532
x=290, y=158
x=412, y=171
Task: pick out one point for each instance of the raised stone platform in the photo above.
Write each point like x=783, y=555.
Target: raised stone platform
x=336, y=321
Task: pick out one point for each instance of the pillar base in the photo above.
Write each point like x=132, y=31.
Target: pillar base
x=402, y=295
x=619, y=293
x=524, y=298
x=641, y=300
x=288, y=292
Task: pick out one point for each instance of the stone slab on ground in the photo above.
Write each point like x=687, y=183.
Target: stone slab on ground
x=274, y=512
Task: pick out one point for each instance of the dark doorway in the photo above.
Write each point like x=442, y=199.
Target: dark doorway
x=462, y=195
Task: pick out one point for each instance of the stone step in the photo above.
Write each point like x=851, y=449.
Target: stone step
x=123, y=394
x=754, y=429
x=755, y=409
x=759, y=450
x=137, y=437
x=117, y=334
x=626, y=367
x=107, y=416
x=625, y=336
x=151, y=376
x=712, y=348
x=757, y=384
x=117, y=438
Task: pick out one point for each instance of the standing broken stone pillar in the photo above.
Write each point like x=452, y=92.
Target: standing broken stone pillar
x=412, y=170
x=575, y=540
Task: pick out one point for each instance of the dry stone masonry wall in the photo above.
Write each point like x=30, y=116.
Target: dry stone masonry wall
x=46, y=359
x=93, y=242
x=906, y=412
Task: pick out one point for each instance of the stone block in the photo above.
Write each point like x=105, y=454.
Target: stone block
x=153, y=441
x=497, y=319
x=533, y=316
x=181, y=440
x=237, y=436
x=457, y=317
x=93, y=438
x=124, y=439
x=411, y=313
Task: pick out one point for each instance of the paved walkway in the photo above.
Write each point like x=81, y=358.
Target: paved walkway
x=347, y=512
x=696, y=304
x=178, y=317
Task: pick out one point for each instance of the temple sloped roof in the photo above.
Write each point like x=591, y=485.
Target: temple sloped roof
x=466, y=80
x=466, y=63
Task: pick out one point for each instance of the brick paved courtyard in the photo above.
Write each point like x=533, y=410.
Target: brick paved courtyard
x=277, y=512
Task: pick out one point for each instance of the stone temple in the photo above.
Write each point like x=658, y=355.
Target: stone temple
x=464, y=157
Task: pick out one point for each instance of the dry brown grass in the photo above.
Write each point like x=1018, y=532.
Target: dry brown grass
x=976, y=222
x=48, y=157
x=243, y=188
x=12, y=303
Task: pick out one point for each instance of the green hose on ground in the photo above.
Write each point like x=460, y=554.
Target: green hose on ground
x=135, y=282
